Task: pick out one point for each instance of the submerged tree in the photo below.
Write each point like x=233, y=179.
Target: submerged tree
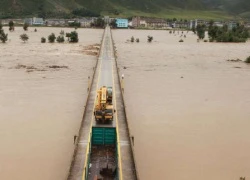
x=73, y=37
x=194, y=29
x=237, y=33
x=60, y=39
x=201, y=28
x=132, y=39
x=43, y=40
x=68, y=35
x=3, y=36
x=247, y=59
x=62, y=33
x=25, y=26
x=11, y=26
x=24, y=37
x=51, y=38
x=150, y=38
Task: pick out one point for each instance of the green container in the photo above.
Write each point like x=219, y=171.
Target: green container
x=103, y=136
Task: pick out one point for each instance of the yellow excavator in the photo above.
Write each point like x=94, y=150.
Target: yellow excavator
x=103, y=106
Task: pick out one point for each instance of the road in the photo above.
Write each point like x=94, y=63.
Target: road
x=106, y=75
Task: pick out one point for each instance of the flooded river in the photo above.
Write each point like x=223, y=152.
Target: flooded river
x=188, y=107
x=43, y=90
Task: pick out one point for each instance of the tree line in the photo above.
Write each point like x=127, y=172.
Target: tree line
x=72, y=36
x=238, y=33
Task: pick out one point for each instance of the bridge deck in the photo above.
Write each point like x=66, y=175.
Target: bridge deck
x=106, y=75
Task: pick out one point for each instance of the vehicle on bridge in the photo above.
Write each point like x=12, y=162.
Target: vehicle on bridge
x=102, y=156
x=103, y=106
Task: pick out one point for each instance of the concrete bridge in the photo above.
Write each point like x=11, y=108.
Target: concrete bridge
x=106, y=74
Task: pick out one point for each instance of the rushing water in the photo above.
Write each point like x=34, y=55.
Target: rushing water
x=41, y=107
x=188, y=107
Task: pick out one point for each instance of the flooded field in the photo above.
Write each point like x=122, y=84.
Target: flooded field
x=43, y=90
x=188, y=107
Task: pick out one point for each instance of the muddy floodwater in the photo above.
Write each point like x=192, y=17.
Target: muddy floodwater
x=188, y=107
x=43, y=90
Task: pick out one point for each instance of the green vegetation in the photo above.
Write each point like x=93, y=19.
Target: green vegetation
x=43, y=40
x=85, y=13
x=1, y=26
x=62, y=33
x=11, y=26
x=72, y=37
x=99, y=22
x=204, y=9
x=113, y=23
x=51, y=38
x=150, y=38
x=3, y=36
x=25, y=26
x=181, y=40
x=132, y=39
x=193, y=30
x=237, y=33
x=247, y=59
x=74, y=24
x=137, y=40
x=24, y=37
x=200, y=29
x=60, y=39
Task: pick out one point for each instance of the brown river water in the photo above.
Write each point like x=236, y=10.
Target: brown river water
x=188, y=107
x=41, y=107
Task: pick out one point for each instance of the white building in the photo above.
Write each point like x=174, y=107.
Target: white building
x=194, y=23
x=86, y=22
x=37, y=21
x=34, y=21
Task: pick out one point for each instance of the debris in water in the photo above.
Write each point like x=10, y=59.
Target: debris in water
x=20, y=66
x=234, y=60
x=57, y=67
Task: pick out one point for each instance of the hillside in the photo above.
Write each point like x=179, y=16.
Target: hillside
x=159, y=8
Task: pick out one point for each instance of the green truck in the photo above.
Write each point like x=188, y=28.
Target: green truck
x=102, y=162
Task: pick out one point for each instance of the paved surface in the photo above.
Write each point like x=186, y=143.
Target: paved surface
x=106, y=75
x=127, y=159
x=78, y=163
x=106, y=69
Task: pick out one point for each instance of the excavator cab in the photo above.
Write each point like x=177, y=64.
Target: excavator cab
x=103, y=106
x=109, y=94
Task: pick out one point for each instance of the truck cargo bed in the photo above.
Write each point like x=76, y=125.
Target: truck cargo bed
x=102, y=162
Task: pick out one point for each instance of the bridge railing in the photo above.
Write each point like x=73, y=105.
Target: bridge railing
x=90, y=84
x=123, y=99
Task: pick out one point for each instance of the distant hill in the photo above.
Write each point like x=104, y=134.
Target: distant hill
x=126, y=8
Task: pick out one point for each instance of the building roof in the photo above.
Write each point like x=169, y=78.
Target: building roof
x=153, y=20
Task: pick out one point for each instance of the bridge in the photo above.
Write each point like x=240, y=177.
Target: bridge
x=106, y=74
